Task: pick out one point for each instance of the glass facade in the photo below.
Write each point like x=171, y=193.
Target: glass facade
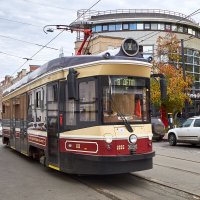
x=192, y=65
x=134, y=26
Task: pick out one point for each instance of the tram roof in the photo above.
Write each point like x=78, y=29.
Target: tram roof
x=66, y=62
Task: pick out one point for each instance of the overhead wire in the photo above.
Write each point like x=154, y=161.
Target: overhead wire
x=8, y=37
x=46, y=5
x=12, y=55
x=53, y=38
x=10, y=20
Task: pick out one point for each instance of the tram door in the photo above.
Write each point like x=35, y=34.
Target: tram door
x=52, y=124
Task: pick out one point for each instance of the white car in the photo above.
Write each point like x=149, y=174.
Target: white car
x=189, y=132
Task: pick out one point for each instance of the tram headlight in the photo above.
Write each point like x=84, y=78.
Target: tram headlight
x=108, y=138
x=133, y=139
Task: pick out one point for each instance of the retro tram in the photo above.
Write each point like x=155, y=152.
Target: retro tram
x=86, y=114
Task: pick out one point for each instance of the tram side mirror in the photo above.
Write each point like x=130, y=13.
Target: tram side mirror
x=71, y=83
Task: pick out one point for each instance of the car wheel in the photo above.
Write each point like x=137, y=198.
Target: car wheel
x=172, y=139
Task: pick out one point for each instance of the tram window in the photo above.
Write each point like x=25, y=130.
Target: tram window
x=6, y=110
x=70, y=112
x=87, y=100
x=128, y=97
x=70, y=109
x=53, y=93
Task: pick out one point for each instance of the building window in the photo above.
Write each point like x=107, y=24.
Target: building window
x=99, y=28
x=189, y=59
x=140, y=26
x=196, y=77
x=125, y=27
x=118, y=27
x=147, y=26
x=167, y=27
x=196, y=69
x=185, y=29
x=111, y=27
x=105, y=27
x=154, y=26
x=132, y=26
x=174, y=28
x=189, y=52
x=189, y=68
x=148, y=49
x=190, y=31
x=93, y=29
x=180, y=29
x=161, y=26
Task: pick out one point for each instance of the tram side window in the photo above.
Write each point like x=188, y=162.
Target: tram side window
x=52, y=97
x=6, y=114
x=87, y=100
x=70, y=106
x=30, y=108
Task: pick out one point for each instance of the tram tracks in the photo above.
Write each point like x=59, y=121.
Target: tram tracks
x=183, y=159
x=132, y=186
x=178, y=169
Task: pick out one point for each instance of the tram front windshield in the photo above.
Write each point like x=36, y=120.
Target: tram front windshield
x=126, y=98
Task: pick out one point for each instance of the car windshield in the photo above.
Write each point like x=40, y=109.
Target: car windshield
x=187, y=123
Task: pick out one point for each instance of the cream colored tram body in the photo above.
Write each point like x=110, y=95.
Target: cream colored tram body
x=83, y=114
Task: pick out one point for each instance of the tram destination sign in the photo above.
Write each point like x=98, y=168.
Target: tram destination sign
x=126, y=81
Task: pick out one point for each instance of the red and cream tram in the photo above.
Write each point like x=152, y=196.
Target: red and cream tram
x=84, y=114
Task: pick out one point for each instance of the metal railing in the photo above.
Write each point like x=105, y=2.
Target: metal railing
x=87, y=15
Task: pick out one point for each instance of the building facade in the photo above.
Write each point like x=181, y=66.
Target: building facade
x=145, y=25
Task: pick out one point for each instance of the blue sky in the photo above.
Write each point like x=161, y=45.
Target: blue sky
x=25, y=19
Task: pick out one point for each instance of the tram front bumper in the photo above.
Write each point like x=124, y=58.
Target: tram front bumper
x=101, y=165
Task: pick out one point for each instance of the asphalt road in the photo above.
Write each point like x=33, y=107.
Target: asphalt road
x=24, y=179
x=176, y=166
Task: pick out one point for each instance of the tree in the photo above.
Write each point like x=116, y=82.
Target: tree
x=167, y=62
